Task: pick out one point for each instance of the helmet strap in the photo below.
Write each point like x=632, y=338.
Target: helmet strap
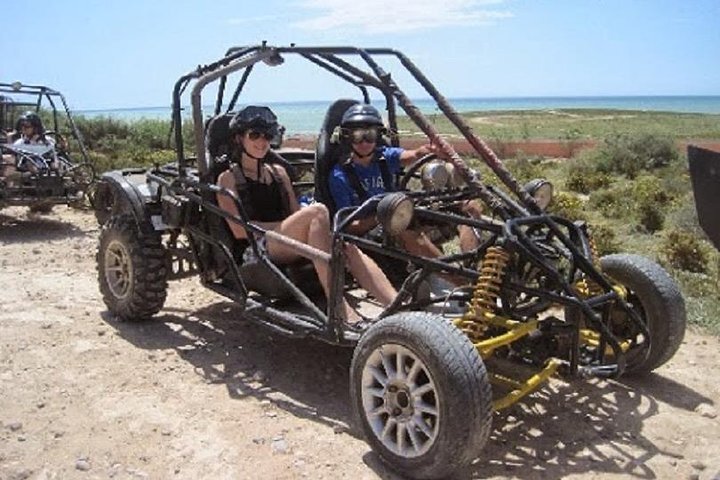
x=259, y=160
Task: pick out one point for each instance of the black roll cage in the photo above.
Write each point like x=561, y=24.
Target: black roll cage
x=40, y=92
x=328, y=58
x=519, y=215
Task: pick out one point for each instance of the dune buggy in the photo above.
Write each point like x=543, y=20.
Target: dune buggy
x=425, y=378
x=50, y=175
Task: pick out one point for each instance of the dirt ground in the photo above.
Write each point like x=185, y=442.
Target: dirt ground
x=200, y=394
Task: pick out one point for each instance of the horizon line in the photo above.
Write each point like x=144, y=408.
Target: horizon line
x=524, y=97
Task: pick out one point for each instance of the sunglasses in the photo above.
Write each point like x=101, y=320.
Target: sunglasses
x=359, y=135
x=254, y=135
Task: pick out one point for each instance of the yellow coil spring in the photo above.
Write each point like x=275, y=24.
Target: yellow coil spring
x=594, y=251
x=586, y=286
x=486, y=293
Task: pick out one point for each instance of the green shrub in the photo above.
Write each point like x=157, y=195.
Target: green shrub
x=612, y=203
x=151, y=133
x=583, y=177
x=114, y=144
x=96, y=130
x=605, y=240
x=525, y=168
x=651, y=217
x=651, y=201
x=683, y=250
x=630, y=154
x=649, y=189
x=567, y=205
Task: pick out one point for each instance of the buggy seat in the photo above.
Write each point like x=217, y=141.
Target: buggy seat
x=328, y=150
x=254, y=275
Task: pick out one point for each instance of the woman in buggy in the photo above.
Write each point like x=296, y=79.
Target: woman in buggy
x=40, y=148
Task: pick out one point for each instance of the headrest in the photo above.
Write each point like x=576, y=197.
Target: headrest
x=327, y=151
x=217, y=135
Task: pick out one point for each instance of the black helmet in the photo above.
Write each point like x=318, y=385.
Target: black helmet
x=33, y=119
x=361, y=115
x=252, y=116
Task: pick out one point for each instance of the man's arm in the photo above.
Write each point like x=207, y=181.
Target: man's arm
x=407, y=157
x=342, y=195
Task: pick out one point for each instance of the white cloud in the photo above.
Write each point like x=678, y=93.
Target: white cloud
x=381, y=16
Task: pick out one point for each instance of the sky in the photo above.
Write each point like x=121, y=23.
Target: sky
x=104, y=54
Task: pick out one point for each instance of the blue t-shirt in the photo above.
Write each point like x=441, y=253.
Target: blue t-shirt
x=370, y=178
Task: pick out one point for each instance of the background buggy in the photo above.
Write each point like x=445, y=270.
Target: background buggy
x=42, y=185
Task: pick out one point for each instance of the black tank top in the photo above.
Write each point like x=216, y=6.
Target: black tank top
x=263, y=202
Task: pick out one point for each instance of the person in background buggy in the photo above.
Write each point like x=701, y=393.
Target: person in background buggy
x=269, y=200
x=34, y=141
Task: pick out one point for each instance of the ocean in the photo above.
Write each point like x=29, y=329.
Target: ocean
x=305, y=117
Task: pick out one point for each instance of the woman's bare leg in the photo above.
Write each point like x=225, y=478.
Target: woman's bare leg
x=369, y=275
x=417, y=243
x=310, y=225
x=468, y=238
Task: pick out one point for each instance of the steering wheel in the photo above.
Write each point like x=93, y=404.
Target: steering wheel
x=82, y=175
x=413, y=171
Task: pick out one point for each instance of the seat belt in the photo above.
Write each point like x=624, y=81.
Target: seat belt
x=354, y=180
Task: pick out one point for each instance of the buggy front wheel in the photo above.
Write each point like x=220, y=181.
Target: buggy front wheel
x=132, y=269
x=421, y=394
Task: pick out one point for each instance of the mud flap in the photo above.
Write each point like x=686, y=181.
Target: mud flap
x=705, y=175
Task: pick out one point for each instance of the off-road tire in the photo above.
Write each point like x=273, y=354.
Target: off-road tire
x=659, y=302
x=132, y=269
x=458, y=389
x=107, y=202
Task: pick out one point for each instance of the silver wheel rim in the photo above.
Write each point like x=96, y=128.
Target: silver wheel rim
x=400, y=401
x=118, y=269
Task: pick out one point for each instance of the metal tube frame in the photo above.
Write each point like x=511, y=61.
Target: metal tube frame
x=518, y=217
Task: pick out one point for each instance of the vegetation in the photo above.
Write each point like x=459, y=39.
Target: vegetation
x=114, y=143
x=573, y=125
x=633, y=189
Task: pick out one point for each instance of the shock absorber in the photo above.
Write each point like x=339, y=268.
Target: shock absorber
x=487, y=291
x=587, y=286
x=593, y=249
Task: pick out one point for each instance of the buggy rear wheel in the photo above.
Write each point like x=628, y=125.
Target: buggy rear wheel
x=655, y=296
x=421, y=394
x=132, y=269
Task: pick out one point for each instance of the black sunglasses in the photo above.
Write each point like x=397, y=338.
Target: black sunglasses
x=254, y=135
